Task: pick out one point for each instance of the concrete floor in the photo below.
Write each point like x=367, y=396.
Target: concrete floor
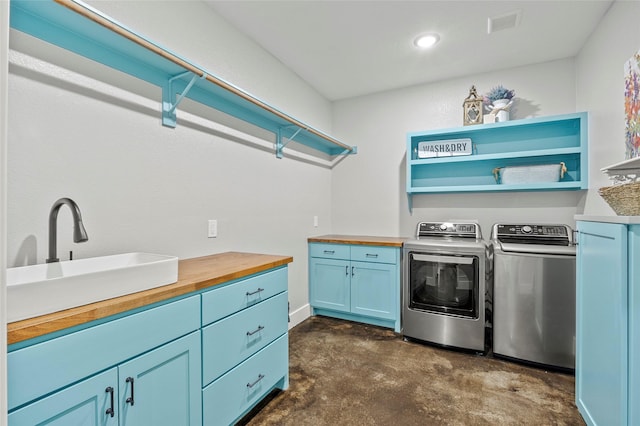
x=345, y=373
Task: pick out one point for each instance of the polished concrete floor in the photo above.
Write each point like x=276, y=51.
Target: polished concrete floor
x=345, y=373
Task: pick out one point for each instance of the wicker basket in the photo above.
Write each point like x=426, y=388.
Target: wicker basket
x=623, y=199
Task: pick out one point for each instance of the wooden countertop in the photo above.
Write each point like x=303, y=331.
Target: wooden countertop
x=359, y=240
x=193, y=275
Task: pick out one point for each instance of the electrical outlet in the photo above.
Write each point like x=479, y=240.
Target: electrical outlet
x=315, y=221
x=213, y=228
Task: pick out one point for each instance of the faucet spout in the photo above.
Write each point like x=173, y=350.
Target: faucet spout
x=79, y=233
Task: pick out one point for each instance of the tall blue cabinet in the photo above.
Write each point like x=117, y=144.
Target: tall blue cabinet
x=608, y=320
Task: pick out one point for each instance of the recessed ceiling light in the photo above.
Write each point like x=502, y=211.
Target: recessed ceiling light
x=425, y=41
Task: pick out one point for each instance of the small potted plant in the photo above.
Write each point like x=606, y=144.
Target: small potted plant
x=498, y=100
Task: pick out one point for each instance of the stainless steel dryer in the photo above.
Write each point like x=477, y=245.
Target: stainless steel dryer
x=534, y=294
x=445, y=285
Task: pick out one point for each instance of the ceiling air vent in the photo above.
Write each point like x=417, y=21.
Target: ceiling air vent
x=503, y=22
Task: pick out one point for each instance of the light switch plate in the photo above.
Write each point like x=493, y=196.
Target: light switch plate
x=213, y=228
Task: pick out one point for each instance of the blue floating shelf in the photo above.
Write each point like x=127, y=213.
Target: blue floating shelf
x=82, y=29
x=535, y=141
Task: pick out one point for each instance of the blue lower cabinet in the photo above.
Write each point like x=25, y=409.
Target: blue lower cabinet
x=355, y=282
x=607, y=327
x=330, y=284
x=91, y=402
x=231, y=396
x=228, y=342
x=162, y=387
x=157, y=366
x=159, y=388
x=372, y=291
x=245, y=355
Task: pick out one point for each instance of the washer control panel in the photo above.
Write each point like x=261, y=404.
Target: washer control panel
x=450, y=229
x=533, y=234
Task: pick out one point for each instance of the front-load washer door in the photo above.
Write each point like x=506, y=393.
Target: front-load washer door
x=447, y=284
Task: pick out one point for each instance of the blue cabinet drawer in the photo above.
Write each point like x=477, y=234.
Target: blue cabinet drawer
x=230, y=341
x=45, y=367
x=229, y=397
x=330, y=251
x=226, y=300
x=375, y=254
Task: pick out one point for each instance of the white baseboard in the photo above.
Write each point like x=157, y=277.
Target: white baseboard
x=299, y=315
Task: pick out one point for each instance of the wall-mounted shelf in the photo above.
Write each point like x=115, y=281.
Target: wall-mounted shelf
x=530, y=142
x=88, y=32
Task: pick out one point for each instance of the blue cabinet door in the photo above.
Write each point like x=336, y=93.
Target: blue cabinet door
x=88, y=403
x=329, y=284
x=163, y=387
x=601, y=323
x=634, y=325
x=374, y=290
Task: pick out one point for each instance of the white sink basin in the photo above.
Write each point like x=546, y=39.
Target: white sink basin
x=42, y=289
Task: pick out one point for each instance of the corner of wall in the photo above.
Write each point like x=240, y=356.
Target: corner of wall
x=4, y=70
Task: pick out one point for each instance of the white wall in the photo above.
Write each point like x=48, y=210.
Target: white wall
x=194, y=31
x=600, y=90
x=144, y=187
x=369, y=190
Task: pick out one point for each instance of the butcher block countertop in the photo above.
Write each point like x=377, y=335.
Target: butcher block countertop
x=359, y=240
x=193, y=275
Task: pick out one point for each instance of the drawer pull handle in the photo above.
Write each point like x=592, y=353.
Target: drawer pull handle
x=374, y=255
x=110, y=410
x=260, y=377
x=251, y=333
x=130, y=399
x=329, y=252
x=251, y=293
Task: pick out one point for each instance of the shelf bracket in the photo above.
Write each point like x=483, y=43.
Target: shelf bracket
x=279, y=145
x=351, y=151
x=169, y=101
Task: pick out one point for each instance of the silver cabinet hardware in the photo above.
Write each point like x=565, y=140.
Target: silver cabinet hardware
x=260, y=377
x=251, y=293
x=251, y=333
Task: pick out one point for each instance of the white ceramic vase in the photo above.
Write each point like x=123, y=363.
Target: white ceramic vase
x=504, y=114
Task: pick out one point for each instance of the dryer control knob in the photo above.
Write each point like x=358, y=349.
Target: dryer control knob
x=443, y=227
x=526, y=229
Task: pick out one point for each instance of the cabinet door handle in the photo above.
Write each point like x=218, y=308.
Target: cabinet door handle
x=329, y=252
x=130, y=399
x=353, y=268
x=110, y=411
x=346, y=270
x=251, y=333
x=374, y=255
x=251, y=293
x=260, y=377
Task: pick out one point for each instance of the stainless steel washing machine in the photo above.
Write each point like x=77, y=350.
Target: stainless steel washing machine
x=534, y=306
x=445, y=285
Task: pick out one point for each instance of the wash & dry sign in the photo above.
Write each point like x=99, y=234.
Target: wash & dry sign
x=444, y=148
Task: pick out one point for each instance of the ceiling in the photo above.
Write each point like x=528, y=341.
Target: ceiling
x=350, y=48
